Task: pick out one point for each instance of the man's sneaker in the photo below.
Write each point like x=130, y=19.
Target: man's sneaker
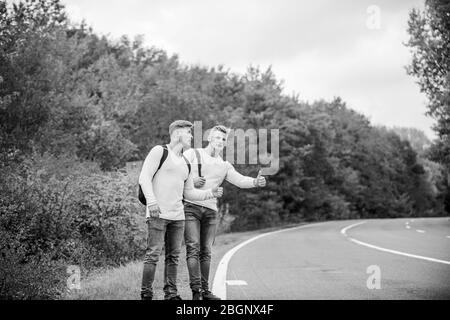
x=207, y=295
x=146, y=297
x=175, y=298
x=196, y=295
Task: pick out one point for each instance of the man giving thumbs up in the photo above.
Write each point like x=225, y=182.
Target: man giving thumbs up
x=209, y=170
x=259, y=181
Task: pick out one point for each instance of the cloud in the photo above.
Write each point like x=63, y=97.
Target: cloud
x=320, y=48
x=234, y=30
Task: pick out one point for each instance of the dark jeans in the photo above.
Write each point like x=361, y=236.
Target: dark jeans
x=170, y=234
x=199, y=234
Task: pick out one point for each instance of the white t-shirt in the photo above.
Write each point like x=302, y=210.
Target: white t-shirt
x=169, y=185
x=215, y=170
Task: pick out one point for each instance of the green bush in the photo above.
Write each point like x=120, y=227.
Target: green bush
x=56, y=212
x=28, y=276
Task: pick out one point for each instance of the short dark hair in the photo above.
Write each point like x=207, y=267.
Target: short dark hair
x=177, y=124
x=220, y=128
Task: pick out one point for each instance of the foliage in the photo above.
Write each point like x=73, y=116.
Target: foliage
x=429, y=41
x=76, y=107
x=56, y=212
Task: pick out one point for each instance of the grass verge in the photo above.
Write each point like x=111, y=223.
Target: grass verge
x=124, y=282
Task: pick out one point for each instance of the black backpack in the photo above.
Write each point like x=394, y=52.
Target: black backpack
x=141, y=195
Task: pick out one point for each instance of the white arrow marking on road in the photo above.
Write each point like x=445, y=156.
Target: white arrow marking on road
x=343, y=231
x=236, y=283
x=408, y=227
x=420, y=231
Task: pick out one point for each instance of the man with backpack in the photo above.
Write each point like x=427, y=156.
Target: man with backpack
x=202, y=215
x=164, y=180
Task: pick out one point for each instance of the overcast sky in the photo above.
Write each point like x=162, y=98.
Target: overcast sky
x=320, y=49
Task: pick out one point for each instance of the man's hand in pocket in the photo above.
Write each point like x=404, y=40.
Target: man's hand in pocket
x=154, y=210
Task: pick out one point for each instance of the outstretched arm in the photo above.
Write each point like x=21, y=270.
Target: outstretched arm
x=242, y=181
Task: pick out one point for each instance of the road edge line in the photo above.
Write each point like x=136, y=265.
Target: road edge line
x=219, y=286
x=344, y=232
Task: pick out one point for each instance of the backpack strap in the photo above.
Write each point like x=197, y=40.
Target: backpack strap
x=188, y=165
x=163, y=158
x=199, y=162
x=141, y=195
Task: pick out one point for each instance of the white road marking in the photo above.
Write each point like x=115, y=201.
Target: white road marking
x=408, y=227
x=344, y=230
x=420, y=231
x=219, y=287
x=236, y=283
x=448, y=237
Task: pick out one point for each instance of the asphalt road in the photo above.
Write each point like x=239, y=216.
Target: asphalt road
x=323, y=261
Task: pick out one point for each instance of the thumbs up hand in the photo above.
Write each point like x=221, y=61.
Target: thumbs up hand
x=259, y=181
x=217, y=191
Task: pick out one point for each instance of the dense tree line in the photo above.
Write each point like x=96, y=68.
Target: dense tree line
x=429, y=42
x=75, y=107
